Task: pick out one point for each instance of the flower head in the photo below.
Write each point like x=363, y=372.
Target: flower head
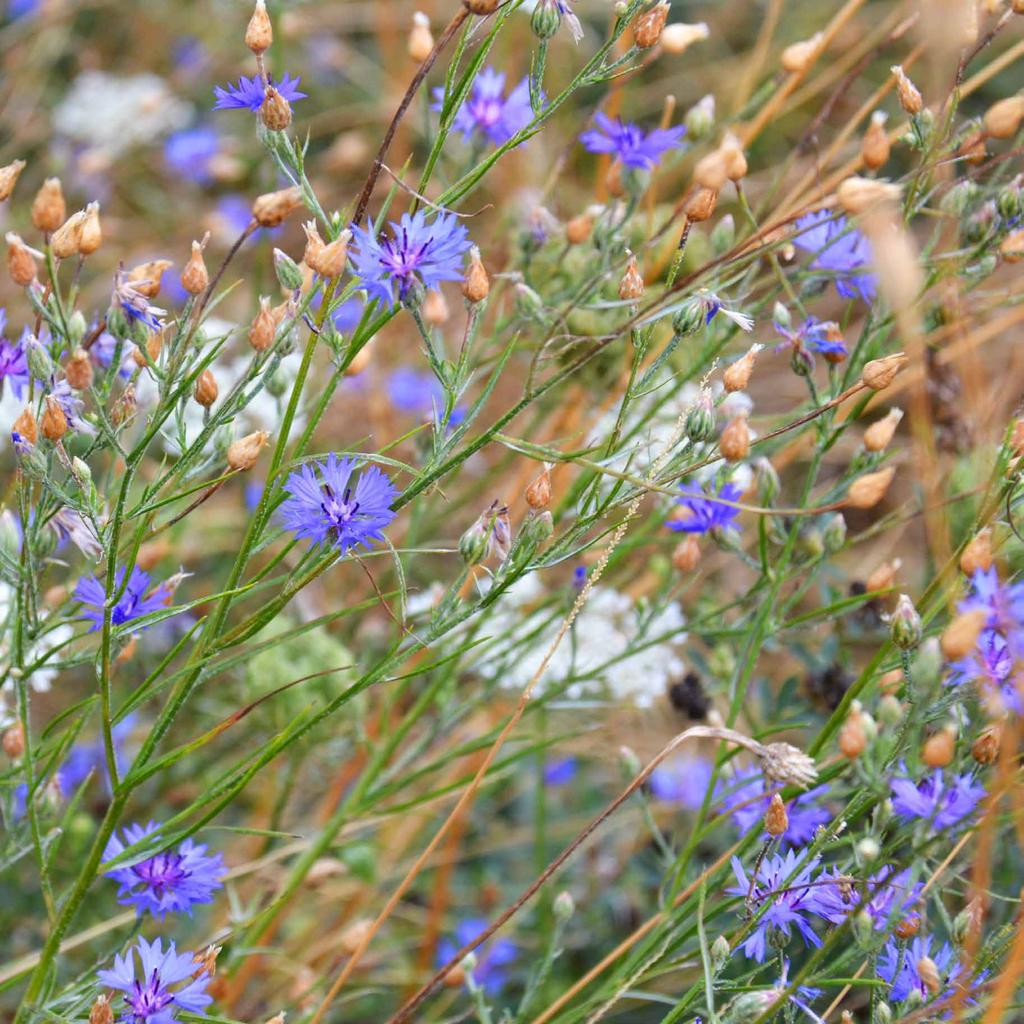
x=991, y=666
x=748, y=801
x=487, y=112
x=814, y=335
x=629, y=144
x=491, y=959
x=13, y=361
x=942, y=802
x=1003, y=602
x=89, y=758
x=248, y=93
x=191, y=151
x=133, y=604
x=171, y=881
x=415, y=253
x=683, y=781
x=167, y=982
x=900, y=968
x=890, y=892
x=841, y=251
x=134, y=304
x=323, y=505
x=706, y=513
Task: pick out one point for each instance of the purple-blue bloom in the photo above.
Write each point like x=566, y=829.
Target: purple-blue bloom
x=13, y=361
x=89, y=759
x=133, y=604
x=248, y=93
x=942, y=802
x=558, y=773
x=323, y=505
x=899, y=968
x=840, y=250
x=1003, y=602
x=135, y=305
x=491, y=958
x=168, y=982
x=682, y=780
x=190, y=152
x=629, y=144
x=706, y=513
x=171, y=881
x=814, y=335
x=990, y=665
x=890, y=892
x=415, y=252
x=747, y=801
x=488, y=112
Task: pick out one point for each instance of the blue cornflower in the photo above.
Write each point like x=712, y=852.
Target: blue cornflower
x=415, y=253
x=171, y=881
x=491, y=958
x=248, y=93
x=488, y=112
x=841, y=251
x=21, y=8
x=135, y=305
x=558, y=773
x=793, y=897
x=813, y=335
x=933, y=799
x=1003, y=602
x=168, y=982
x=89, y=759
x=890, y=892
x=105, y=347
x=706, y=513
x=747, y=801
x=133, y=604
x=13, y=361
x=898, y=966
x=579, y=577
x=191, y=151
x=990, y=665
x=324, y=506
x=629, y=144
x=419, y=393
x=682, y=780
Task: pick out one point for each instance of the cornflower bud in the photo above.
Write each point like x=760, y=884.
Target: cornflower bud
x=9, y=175
x=852, y=737
x=146, y=277
x=100, y=1011
x=631, y=286
x=25, y=426
x=833, y=536
x=206, y=389
x=856, y=194
x=481, y=8
x=977, y=554
x=195, y=278
x=701, y=204
x=878, y=374
x=679, y=37
x=968, y=921
x=538, y=494
x=939, y=749
x=868, y=490
x=648, y=26
x=287, y=270
x=798, y=57
x=961, y=635
x=734, y=444
x=1002, y=120
x=261, y=330
x=259, y=33
x=776, y=820
x=578, y=229
x=21, y=260
x=719, y=952
x=875, y=147
x=928, y=972
x=564, y=906
x=14, y=741
x=273, y=208
x=910, y=96
x=125, y=406
x=78, y=370
x=151, y=354
x=476, y=285
x=880, y=433
x=243, y=453
x=48, y=207
x=275, y=110
x=91, y=237
x=435, y=307
x=686, y=555
x=735, y=159
x=66, y=240
x=1012, y=246
x=700, y=118
x=421, y=42
x=737, y=375
x=905, y=626
x=53, y=424
x=985, y=749
x=890, y=710
x=700, y=420
x=329, y=262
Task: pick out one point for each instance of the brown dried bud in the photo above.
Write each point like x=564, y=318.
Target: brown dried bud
x=1012, y=246
x=852, y=737
x=14, y=741
x=259, y=33
x=53, y=423
x=686, y=554
x=275, y=111
x=78, y=369
x=435, y=307
x=207, y=961
x=857, y=194
x=880, y=433
x=578, y=229
x=734, y=444
x=701, y=204
x=314, y=243
x=891, y=682
x=928, y=972
x=940, y=748
x=360, y=361
x=880, y=373
x=25, y=426
x=476, y=286
x=613, y=180
x=538, y=494
x=278, y=1018
x=66, y=240
x=100, y=1012
x=195, y=277
x=48, y=207
x=875, y=147
x=647, y=27
x=91, y=237
x=355, y=935
x=21, y=260
x=273, y=208
x=711, y=170
x=735, y=160
x=632, y=284
x=737, y=375
x=985, y=749
x=206, y=389
x=776, y=820
x=146, y=277
x=883, y=578
x=972, y=149
x=908, y=927
x=1017, y=437
x=243, y=453
x=125, y=406
x=678, y=38
x=797, y=58
x=263, y=327
x=481, y=7
x=143, y=358
x=329, y=262
x=9, y=174
x=868, y=490
x=977, y=554
x=960, y=636
x=421, y=42
x=910, y=96
x=152, y=554
x=1002, y=120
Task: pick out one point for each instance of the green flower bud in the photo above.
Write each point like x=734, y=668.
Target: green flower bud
x=77, y=326
x=81, y=469
x=700, y=420
x=748, y=1006
x=928, y=662
x=963, y=196
x=890, y=710
x=722, y=662
x=867, y=850
x=564, y=906
x=812, y=544
x=689, y=318
x=834, y=534
x=905, y=626
x=40, y=364
x=545, y=19
x=287, y=271
x=801, y=362
x=967, y=921
x=473, y=544
x=780, y=314
x=864, y=928
x=631, y=765
x=883, y=1013
x=700, y=119
x=1010, y=202
x=539, y=528
x=719, y=952
x=768, y=482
